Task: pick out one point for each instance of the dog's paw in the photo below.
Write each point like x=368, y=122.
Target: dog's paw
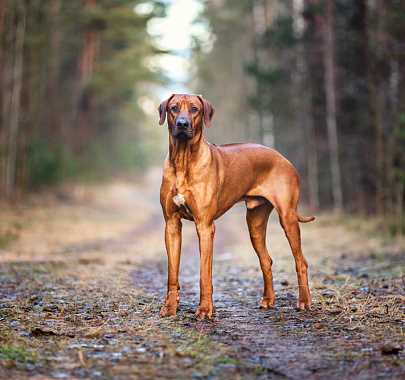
x=304, y=304
x=171, y=304
x=168, y=310
x=204, y=312
x=267, y=303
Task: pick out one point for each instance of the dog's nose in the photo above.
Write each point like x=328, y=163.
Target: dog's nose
x=182, y=122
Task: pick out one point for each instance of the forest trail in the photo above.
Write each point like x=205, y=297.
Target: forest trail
x=83, y=275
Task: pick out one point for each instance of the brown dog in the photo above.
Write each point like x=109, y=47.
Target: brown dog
x=202, y=181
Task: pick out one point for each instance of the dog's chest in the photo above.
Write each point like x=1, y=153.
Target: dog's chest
x=186, y=191
x=180, y=201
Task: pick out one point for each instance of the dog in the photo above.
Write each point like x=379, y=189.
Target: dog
x=201, y=181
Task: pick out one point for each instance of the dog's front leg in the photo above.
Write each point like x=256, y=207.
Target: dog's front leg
x=173, y=248
x=206, y=232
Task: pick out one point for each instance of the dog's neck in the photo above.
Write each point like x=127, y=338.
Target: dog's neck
x=181, y=154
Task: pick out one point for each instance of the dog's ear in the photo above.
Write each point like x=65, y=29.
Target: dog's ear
x=163, y=110
x=208, y=111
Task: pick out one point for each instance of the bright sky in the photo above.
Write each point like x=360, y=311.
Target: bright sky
x=174, y=32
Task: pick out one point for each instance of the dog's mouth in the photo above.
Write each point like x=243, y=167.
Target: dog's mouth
x=182, y=134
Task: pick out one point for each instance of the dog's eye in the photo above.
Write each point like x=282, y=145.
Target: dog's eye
x=194, y=109
x=174, y=109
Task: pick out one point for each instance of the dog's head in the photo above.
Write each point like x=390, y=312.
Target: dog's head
x=186, y=115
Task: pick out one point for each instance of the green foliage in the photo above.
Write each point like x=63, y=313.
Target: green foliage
x=6, y=238
x=267, y=76
x=101, y=161
x=281, y=35
x=266, y=69
x=16, y=354
x=48, y=164
x=402, y=120
x=399, y=174
x=104, y=157
x=85, y=64
x=396, y=228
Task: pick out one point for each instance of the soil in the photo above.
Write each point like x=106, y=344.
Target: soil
x=83, y=276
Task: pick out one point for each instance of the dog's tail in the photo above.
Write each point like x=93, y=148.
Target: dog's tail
x=305, y=219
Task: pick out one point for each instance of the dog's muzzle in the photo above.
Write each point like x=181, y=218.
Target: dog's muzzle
x=183, y=129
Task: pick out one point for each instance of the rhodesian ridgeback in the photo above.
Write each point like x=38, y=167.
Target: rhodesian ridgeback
x=201, y=181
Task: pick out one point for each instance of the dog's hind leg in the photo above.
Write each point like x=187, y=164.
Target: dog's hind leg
x=284, y=195
x=289, y=222
x=286, y=205
x=257, y=219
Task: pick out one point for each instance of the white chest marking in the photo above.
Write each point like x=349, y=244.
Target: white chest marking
x=180, y=201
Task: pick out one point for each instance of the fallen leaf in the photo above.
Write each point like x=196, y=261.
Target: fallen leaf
x=334, y=311
x=390, y=349
x=319, y=326
x=40, y=331
x=81, y=358
x=95, y=332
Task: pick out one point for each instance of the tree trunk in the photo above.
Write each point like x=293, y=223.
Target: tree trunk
x=376, y=40
x=3, y=4
x=309, y=56
x=312, y=162
x=88, y=58
x=54, y=121
x=82, y=98
x=396, y=145
x=11, y=168
x=330, y=90
x=3, y=51
x=257, y=9
x=379, y=108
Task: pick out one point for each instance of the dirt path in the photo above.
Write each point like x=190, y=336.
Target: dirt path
x=82, y=282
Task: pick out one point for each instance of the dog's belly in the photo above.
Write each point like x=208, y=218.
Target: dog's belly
x=253, y=202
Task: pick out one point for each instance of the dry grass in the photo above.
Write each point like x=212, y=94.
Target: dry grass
x=82, y=276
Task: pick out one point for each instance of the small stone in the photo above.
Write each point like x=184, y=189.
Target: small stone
x=328, y=293
x=60, y=375
x=319, y=326
x=7, y=363
x=390, y=349
x=116, y=356
x=334, y=311
x=188, y=362
x=41, y=331
x=94, y=332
